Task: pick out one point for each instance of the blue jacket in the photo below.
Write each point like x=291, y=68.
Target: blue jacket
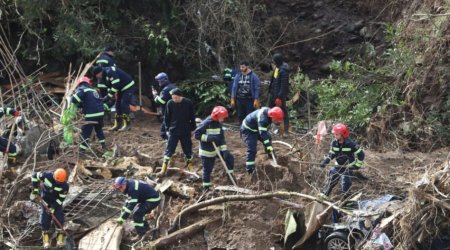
x=164, y=96
x=7, y=111
x=105, y=60
x=179, y=118
x=138, y=192
x=53, y=192
x=254, y=85
x=259, y=121
x=345, y=153
x=207, y=132
x=118, y=79
x=89, y=100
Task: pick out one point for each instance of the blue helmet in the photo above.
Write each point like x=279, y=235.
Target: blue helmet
x=161, y=77
x=119, y=182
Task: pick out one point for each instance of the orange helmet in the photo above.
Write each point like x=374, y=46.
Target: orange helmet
x=84, y=79
x=60, y=175
x=219, y=112
x=340, y=128
x=276, y=114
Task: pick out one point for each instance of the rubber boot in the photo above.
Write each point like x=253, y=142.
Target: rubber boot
x=45, y=240
x=11, y=158
x=117, y=123
x=60, y=239
x=164, y=167
x=125, y=123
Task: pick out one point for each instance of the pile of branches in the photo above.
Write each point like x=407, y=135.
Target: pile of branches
x=426, y=214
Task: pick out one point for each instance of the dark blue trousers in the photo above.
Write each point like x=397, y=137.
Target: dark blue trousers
x=124, y=100
x=186, y=145
x=208, y=165
x=333, y=178
x=46, y=218
x=4, y=144
x=140, y=224
x=251, y=141
x=86, y=131
x=244, y=107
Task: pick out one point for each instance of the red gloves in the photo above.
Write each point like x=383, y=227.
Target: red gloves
x=278, y=102
x=17, y=114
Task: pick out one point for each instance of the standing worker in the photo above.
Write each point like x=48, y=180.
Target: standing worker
x=106, y=59
x=245, y=91
x=10, y=152
x=89, y=100
x=256, y=127
x=163, y=97
x=228, y=77
x=279, y=90
x=349, y=156
x=141, y=194
x=210, y=131
x=122, y=86
x=179, y=122
x=52, y=188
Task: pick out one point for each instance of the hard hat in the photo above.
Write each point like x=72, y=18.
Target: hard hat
x=276, y=114
x=84, y=79
x=119, y=182
x=342, y=129
x=161, y=77
x=60, y=175
x=219, y=112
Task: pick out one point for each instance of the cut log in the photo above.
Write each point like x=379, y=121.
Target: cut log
x=164, y=242
x=107, y=236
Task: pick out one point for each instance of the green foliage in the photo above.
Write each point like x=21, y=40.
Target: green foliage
x=206, y=95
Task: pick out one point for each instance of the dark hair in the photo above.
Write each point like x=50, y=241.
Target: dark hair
x=278, y=59
x=244, y=62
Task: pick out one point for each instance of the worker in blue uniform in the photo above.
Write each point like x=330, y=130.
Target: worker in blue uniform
x=87, y=98
x=163, y=97
x=210, y=131
x=141, y=194
x=52, y=188
x=256, y=127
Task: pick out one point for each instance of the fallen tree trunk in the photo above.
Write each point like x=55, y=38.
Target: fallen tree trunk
x=229, y=198
x=172, y=238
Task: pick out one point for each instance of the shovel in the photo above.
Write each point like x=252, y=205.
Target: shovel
x=69, y=243
x=223, y=163
x=274, y=160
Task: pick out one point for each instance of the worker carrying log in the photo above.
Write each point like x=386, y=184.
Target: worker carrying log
x=210, y=131
x=52, y=188
x=164, y=96
x=179, y=122
x=141, y=194
x=256, y=127
x=121, y=89
x=349, y=156
x=87, y=98
x=11, y=151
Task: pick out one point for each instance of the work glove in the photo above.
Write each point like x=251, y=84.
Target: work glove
x=233, y=102
x=120, y=221
x=154, y=92
x=278, y=102
x=106, y=107
x=256, y=104
x=269, y=150
x=17, y=113
x=34, y=195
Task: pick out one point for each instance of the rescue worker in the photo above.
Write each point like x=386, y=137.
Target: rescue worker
x=179, y=122
x=245, y=91
x=106, y=59
x=122, y=85
x=164, y=96
x=279, y=90
x=89, y=100
x=256, y=127
x=349, y=156
x=10, y=151
x=209, y=131
x=141, y=194
x=52, y=188
x=228, y=77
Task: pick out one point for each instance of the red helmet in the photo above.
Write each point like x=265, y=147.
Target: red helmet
x=340, y=128
x=60, y=175
x=84, y=79
x=276, y=114
x=219, y=112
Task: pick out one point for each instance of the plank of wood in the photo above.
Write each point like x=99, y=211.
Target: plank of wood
x=107, y=236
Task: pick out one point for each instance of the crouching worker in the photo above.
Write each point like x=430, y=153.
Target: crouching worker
x=52, y=188
x=89, y=100
x=141, y=194
x=10, y=151
x=208, y=132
